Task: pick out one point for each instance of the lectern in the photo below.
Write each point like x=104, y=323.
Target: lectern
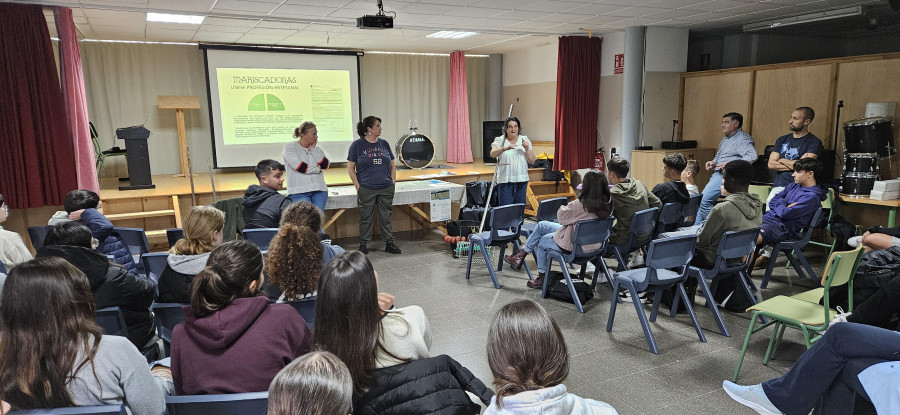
x=138, y=157
x=179, y=104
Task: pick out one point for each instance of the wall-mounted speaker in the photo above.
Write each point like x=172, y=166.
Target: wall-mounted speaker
x=489, y=131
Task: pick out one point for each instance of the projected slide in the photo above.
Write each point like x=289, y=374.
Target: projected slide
x=261, y=106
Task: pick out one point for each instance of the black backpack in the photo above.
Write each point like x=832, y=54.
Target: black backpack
x=558, y=290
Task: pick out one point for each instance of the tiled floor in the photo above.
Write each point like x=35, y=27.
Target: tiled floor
x=616, y=367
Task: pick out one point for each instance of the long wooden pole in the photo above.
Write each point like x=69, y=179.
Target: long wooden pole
x=182, y=142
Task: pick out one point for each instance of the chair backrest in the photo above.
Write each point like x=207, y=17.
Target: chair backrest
x=173, y=235
x=589, y=232
x=261, y=237
x=840, y=270
x=2, y=268
x=167, y=316
x=154, y=264
x=690, y=209
x=642, y=223
x=806, y=232
x=307, y=309
x=827, y=211
x=37, y=234
x=75, y=410
x=670, y=214
x=735, y=244
x=547, y=208
x=761, y=191
x=251, y=403
x=135, y=238
x=111, y=320
x=675, y=252
x=506, y=218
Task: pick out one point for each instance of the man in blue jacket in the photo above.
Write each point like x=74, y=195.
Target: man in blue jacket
x=792, y=209
x=84, y=205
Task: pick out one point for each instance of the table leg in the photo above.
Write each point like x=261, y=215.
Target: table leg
x=892, y=216
x=333, y=218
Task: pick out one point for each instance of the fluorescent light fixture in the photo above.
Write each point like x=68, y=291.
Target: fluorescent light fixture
x=805, y=18
x=174, y=18
x=447, y=34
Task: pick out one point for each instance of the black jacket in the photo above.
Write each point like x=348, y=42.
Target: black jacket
x=113, y=286
x=263, y=207
x=674, y=191
x=436, y=385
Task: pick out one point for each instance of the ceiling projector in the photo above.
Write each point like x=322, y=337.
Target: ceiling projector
x=376, y=21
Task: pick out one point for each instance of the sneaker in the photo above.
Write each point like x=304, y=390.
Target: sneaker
x=636, y=260
x=625, y=296
x=840, y=317
x=752, y=397
x=762, y=262
x=391, y=248
x=363, y=249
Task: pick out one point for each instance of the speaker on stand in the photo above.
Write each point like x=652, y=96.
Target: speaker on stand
x=489, y=131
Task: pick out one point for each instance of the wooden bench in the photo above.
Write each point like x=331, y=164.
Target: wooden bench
x=543, y=190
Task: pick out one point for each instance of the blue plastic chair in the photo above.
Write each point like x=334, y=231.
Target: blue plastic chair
x=261, y=237
x=2, y=268
x=733, y=245
x=111, y=320
x=167, y=316
x=37, y=234
x=689, y=211
x=505, y=222
x=154, y=264
x=136, y=239
x=663, y=254
x=173, y=235
x=587, y=232
x=547, y=210
x=642, y=223
x=793, y=250
x=251, y=403
x=75, y=410
x=307, y=309
x=670, y=214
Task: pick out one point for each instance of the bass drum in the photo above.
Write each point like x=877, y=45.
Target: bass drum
x=870, y=135
x=415, y=151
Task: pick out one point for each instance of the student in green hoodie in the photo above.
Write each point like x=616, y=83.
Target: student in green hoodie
x=628, y=196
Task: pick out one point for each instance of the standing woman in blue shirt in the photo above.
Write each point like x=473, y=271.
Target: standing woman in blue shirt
x=371, y=166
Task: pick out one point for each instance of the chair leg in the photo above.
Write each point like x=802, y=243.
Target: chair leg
x=654, y=309
x=469, y=259
x=770, y=267
x=645, y=325
x=612, y=305
x=778, y=325
x=569, y=283
x=690, y=308
x=778, y=341
x=622, y=263
x=500, y=258
x=711, y=304
x=809, y=271
x=737, y=369
x=525, y=263
x=676, y=301
x=490, y=267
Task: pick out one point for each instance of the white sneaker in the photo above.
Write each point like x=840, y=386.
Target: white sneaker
x=625, y=296
x=752, y=397
x=840, y=317
x=636, y=260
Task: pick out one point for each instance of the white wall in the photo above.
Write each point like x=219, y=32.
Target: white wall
x=531, y=66
x=667, y=49
x=529, y=75
x=609, y=117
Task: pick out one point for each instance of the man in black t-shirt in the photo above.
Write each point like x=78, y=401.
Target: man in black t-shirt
x=673, y=190
x=789, y=148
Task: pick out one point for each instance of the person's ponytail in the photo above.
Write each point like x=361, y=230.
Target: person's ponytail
x=229, y=271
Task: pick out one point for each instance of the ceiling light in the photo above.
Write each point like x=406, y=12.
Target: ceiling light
x=447, y=34
x=805, y=18
x=174, y=18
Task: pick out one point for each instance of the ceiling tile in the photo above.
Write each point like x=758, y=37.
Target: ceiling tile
x=172, y=26
x=168, y=34
x=520, y=15
x=330, y=3
x=182, y=5
x=270, y=31
x=470, y=11
x=221, y=29
x=715, y=5
x=674, y=4
x=422, y=8
x=503, y=4
x=561, y=18
x=219, y=21
x=282, y=25
x=255, y=7
x=304, y=11
x=532, y=25
x=600, y=20
x=594, y=9
x=216, y=37
x=551, y=6
x=674, y=14
x=635, y=11
x=115, y=16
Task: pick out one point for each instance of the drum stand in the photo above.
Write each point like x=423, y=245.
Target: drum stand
x=487, y=203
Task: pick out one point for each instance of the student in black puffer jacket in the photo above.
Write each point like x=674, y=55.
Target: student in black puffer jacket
x=203, y=227
x=111, y=284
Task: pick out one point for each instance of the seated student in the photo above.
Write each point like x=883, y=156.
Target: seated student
x=792, y=209
x=673, y=190
x=203, y=227
x=594, y=202
x=317, y=383
x=110, y=283
x=233, y=339
x=84, y=205
x=262, y=203
x=877, y=238
x=296, y=254
x=53, y=354
x=851, y=358
x=628, y=196
x=528, y=357
x=689, y=177
x=12, y=248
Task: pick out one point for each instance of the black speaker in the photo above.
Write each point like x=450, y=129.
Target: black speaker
x=676, y=145
x=489, y=131
x=895, y=5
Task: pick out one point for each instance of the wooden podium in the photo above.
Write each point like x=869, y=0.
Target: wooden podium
x=179, y=104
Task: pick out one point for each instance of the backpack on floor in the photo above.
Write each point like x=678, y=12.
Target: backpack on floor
x=730, y=296
x=559, y=290
x=668, y=295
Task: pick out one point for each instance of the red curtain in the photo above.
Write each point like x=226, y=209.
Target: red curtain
x=577, y=102
x=72, y=80
x=459, y=143
x=36, y=163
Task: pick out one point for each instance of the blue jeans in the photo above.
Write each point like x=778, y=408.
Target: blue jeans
x=711, y=193
x=841, y=354
x=541, y=243
x=318, y=198
x=509, y=193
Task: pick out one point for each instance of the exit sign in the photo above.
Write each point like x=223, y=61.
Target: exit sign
x=619, y=64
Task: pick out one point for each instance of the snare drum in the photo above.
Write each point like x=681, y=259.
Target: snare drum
x=870, y=135
x=861, y=163
x=859, y=184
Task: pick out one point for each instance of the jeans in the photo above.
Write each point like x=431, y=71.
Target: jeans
x=711, y=193
x=318, y=198
x=541, y=243
x=509, y=193
x=835, y=357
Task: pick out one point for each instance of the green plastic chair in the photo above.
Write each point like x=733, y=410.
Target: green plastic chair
x=761, y=191
x=831, y=204
x=803, y=311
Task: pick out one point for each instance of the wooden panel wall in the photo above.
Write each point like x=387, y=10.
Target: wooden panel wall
x=779, y=91
x=705, y=99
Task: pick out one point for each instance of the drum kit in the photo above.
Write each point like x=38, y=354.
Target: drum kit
x=866, y=141
x=415, y=150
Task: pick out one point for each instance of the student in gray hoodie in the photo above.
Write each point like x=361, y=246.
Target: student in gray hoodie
x=202, y=233
x=628, y=196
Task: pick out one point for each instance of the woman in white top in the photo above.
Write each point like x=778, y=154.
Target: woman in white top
x=528, y=357
x=513, y=153
x=356, y=323
x=306, y=164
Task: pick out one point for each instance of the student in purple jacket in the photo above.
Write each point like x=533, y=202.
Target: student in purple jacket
x=233, y=339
